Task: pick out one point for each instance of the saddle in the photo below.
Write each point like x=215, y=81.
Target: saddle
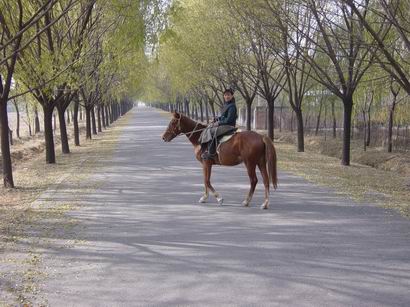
x=214, y=137
x=209, y=133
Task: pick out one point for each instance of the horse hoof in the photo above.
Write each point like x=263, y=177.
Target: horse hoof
x=203, y=199
x=264, y=206
x=220, y=201
x=245, y=203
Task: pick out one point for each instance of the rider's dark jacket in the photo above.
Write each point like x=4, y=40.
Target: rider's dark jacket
x=229, y=114
x=225, y=123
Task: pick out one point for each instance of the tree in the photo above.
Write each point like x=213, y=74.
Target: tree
x=295, y=45
x=268, y=69
x=395, y=91
x=389, y=28
x=44, y=67
x=80, y=29
x=15, y=21
x=345, y=51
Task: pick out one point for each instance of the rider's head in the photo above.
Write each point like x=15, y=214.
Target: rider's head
x=228, y=95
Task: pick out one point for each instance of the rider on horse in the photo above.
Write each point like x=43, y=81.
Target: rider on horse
x=222, y=125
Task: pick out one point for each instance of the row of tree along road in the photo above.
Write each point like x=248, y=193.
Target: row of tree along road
x=349, y=58
x=346, y=58
x=60, y=54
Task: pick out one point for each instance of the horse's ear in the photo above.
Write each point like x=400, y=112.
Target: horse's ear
x=176, y=115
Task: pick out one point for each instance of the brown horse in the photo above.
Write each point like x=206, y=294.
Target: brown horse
x=249, y=147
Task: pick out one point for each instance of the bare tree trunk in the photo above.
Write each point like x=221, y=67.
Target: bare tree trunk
x=201, y=110
x=94, y=126
x=212, y=109
x=36, y=121
x=107, y=116
x=249, y=115
x=16, y=107
x=301, y=139
x=307, y=121
x=48, y=133
x=334, y=119
x=99, y=119
x=207, y=112
x=5, y=147
x=347, y=124
x=187, y=110
x=318, y=117
x=28, y=120
x=368, y=129
x=196, y=112
x=364, y=132
x=88, y=123
x=280, y=116
x=68, y=117
x=103, y=116
x=11, y=137
x=63, y=129
x=325, y=122
x=390, y=129
x=180, y=107
x=55, y=123
x=75, y=122
x=352, y=129
x=291, y=121
x=111, y=114
x=271, y=114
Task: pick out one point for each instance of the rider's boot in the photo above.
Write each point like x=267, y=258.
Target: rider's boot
x=211, y=152
x=204, y=151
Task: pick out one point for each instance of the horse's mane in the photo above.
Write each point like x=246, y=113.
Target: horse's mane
x=193, y=122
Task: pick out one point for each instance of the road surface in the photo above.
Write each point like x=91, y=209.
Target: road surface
x=147, y=242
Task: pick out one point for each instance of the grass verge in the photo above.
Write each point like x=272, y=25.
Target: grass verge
x=360, y=182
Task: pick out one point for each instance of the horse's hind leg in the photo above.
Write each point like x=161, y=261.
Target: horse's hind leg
x=251, y=168
x=207, y=167
x=265, y=176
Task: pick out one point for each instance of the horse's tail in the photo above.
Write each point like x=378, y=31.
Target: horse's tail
x=270, y=154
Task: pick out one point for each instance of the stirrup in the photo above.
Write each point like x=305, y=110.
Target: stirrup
x=207, y=156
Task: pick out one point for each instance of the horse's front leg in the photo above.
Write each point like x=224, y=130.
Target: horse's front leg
x=207, y=168
x=204, y=197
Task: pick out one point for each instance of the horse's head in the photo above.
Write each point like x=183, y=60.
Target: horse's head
x=174, y=127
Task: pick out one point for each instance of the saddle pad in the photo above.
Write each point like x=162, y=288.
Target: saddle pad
x=225, y=138
x=222, y=140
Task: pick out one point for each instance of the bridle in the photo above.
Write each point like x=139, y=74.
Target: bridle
x=190, y=133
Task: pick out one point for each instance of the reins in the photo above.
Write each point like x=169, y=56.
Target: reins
x=190, y=132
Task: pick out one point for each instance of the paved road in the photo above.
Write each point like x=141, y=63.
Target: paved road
x=148, y=242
